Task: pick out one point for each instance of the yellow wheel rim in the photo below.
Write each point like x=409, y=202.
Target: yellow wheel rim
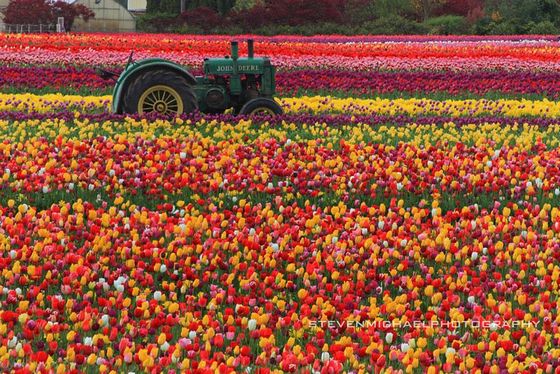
x=161, y=99
x=262, y=110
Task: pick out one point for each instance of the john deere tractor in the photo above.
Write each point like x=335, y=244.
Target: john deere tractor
x=245, y=84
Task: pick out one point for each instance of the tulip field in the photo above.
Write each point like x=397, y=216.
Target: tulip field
x=402, y=215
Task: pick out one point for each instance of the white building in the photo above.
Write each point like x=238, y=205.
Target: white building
x=110, y=16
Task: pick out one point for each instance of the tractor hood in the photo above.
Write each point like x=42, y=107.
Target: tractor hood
x=224, y=66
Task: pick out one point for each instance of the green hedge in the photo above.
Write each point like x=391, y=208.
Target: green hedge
x=395, y=25
x=309, y=17
x=448, y=25
x=390, y=25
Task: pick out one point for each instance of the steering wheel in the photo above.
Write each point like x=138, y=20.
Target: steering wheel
x=129, y=59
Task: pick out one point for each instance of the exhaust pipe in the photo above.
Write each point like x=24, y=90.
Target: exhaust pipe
x=234, y=56
x=250, y=48
x=234, y=50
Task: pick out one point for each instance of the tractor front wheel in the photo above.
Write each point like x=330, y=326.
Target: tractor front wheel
x=261, y=105
x=160, y=91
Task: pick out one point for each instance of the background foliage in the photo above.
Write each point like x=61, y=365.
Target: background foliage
x=308, y=17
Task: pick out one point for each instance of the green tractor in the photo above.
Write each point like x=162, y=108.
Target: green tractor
x=245, y=84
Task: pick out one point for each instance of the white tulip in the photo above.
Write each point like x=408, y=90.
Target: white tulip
x=252, y=324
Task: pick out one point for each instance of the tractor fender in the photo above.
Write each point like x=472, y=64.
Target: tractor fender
x=137, y=68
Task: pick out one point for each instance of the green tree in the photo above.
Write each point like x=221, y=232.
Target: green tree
x=359, y=11
x=386, y=8
x=170, y=6
x=426, y=8
x=535, y=10
x=152, y=6
x=520, y=17
x=220, y=6
x=224, y=6
x=241, y=5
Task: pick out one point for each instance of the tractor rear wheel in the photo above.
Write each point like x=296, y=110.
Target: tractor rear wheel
x=160, y=91
x=261, y=105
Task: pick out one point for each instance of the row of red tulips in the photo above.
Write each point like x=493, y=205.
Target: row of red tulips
x=543, y=50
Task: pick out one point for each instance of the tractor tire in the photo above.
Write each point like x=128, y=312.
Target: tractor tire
x=160, y=91
x=260, y=106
